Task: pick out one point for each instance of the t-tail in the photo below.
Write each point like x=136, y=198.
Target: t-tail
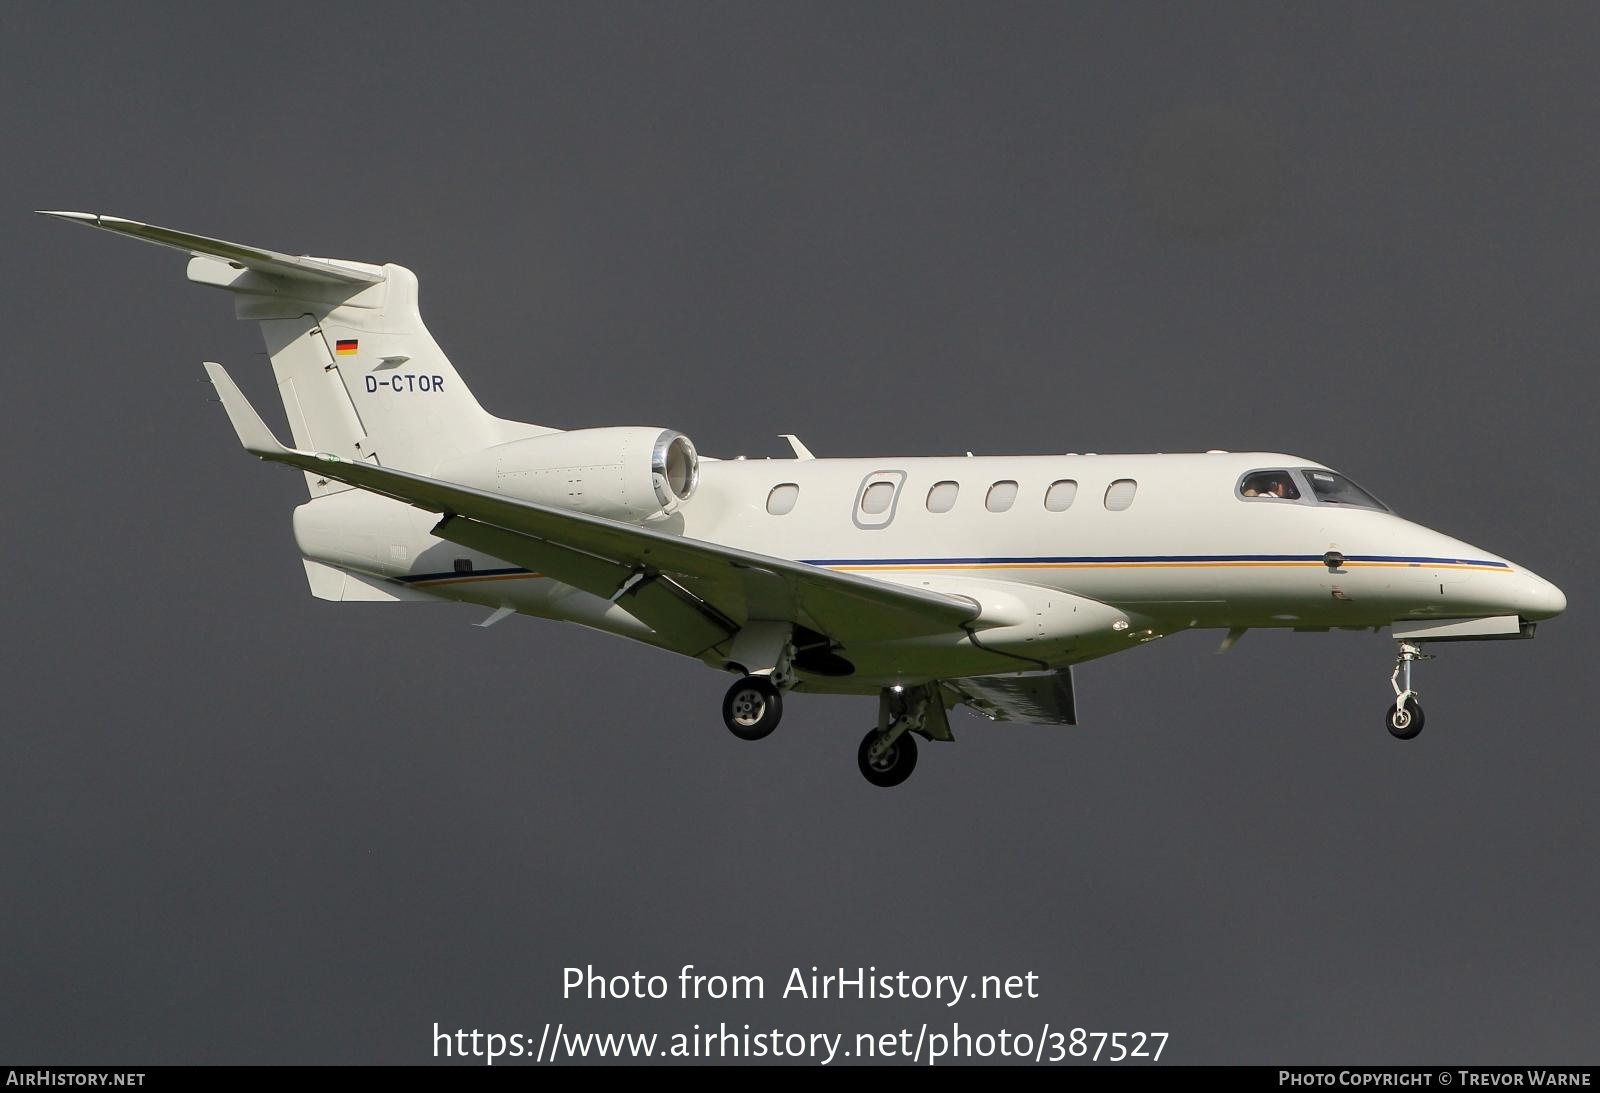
x=358, y=372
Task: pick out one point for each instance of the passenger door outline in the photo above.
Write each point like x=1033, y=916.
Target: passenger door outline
x=876, y=521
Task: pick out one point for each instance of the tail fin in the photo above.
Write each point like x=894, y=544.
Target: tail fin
x=358, y=372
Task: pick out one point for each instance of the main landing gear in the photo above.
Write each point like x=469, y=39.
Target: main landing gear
x=753, y=706
x=888, y=754
x=887, y=761
x=1404, y=720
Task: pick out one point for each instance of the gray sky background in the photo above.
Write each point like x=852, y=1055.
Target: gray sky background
x=244, y=825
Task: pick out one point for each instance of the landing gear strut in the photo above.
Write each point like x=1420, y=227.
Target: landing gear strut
x=1405, y=719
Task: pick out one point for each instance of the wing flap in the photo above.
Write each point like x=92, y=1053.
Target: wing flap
x=682, y=621
x=1036, y=698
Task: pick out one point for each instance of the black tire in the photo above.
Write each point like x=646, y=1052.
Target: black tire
x=895, y=766
x=752, y=708
x=1404, y=724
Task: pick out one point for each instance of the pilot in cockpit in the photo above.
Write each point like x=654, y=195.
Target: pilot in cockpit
x=1270, y=484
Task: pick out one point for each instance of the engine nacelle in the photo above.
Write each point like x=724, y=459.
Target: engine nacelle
x=624, y=473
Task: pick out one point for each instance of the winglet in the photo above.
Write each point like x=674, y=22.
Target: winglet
x=253, y=432
x=800, y=450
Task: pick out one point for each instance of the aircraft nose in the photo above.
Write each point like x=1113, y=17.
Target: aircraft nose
x=1540, y=599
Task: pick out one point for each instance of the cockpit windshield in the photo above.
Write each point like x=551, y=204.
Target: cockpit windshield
x=1335, y=489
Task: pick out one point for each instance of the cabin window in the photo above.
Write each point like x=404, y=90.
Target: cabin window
x=1269, y=486
x=1330, y=488
x=942, y=498
x=1119, y=495
x=876, y=498
x=1002, y=495
x=1060, y=495
x=780, y=502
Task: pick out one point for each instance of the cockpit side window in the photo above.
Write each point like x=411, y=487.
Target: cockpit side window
x=1269, y=486
x=1331, y=488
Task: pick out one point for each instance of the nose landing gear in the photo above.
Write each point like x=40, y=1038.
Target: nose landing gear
x=1404, y=720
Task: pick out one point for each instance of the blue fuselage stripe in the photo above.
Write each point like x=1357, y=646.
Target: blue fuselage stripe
x=1154, y=559
x=1043, y=560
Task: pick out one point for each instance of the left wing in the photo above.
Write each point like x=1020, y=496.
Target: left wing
x=649, y=572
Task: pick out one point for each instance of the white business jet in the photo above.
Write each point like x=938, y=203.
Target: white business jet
x=927, y=582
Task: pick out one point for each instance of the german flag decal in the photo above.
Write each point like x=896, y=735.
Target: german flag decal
x=346, y=347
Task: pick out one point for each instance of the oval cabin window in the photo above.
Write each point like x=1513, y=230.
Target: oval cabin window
x=780, y=502
x=1119, y=495
x=1060, y=495
x=877, y=498
x=942, y=498
x=1001, y=496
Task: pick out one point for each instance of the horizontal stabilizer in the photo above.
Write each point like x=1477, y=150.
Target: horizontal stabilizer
x=253, y=432
x=235, y=254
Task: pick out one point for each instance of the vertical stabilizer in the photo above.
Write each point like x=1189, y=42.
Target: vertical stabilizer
x=358, y=372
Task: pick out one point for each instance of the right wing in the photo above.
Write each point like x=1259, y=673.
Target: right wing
x=696, y=593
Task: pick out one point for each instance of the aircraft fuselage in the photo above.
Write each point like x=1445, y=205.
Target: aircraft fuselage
x=1187, y=551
